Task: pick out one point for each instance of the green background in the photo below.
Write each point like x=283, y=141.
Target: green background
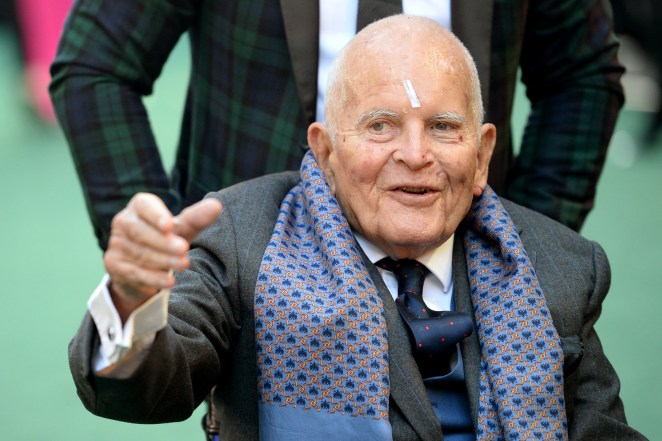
x=49, y=265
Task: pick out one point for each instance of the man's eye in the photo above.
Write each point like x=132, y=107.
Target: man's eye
x=441, y=126
x=379, y=126
x=381, y=130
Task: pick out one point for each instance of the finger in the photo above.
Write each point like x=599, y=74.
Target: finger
x=136, y=282
x=130, y=226
x=192, y=220
x=153, y=211
x=147, y=257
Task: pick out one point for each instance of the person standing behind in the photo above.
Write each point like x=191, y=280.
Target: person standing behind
x=253, y=92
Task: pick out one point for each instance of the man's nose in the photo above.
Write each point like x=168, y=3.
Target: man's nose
x=414, y=147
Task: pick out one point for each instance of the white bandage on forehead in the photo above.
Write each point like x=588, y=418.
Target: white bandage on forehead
x=411, y=94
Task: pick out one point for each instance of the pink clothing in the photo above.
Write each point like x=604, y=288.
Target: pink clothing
x=41, y=23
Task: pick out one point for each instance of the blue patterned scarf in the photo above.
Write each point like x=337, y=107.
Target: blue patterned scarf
x=521, y=371
x=320, y=330
x=321, y=334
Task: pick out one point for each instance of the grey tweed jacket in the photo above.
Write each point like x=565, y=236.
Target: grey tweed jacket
x=210, y=337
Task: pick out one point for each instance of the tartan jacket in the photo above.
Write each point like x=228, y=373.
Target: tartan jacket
x=253, y=84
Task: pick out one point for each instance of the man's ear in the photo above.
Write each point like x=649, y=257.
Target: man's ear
x=319, y=141
x=487, y=143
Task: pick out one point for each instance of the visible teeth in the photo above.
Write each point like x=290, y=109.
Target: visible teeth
x=414, y=190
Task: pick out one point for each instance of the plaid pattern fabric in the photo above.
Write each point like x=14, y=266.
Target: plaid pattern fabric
x=243, y=116
x=567, y=54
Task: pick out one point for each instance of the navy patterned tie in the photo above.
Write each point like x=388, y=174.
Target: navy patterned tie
x=435, y=333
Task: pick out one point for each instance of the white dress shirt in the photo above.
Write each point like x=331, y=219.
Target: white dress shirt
x=438, y=286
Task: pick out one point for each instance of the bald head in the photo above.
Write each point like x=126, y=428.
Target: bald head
x=394, y=42
x=403, y=149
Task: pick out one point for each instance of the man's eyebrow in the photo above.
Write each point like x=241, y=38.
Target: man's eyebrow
x=452, y=117
x=376, y=113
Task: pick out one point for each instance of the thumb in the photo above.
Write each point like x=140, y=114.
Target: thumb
x=192, y=220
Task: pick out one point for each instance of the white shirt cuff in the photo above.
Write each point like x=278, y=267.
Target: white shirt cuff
x=138, y=332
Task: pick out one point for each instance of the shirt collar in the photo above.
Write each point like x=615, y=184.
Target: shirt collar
x=439, y=260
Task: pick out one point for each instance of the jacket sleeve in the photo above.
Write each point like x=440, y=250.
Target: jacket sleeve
x=210, y=336
x=109, y=55
x=187, y=357
x=572, y=77
x=594, y=408
x=575, y=276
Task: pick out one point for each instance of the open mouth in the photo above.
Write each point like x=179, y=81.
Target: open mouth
x=414, y=190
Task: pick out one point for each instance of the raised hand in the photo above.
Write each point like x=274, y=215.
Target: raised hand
x=147, y=243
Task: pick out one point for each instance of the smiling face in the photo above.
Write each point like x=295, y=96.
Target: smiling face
x=405, y=176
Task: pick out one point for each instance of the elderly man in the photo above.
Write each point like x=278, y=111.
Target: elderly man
x=286, y=303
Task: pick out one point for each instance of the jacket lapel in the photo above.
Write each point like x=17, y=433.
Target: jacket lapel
x=301, y=20
x=471, y=21
x=470, y=346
